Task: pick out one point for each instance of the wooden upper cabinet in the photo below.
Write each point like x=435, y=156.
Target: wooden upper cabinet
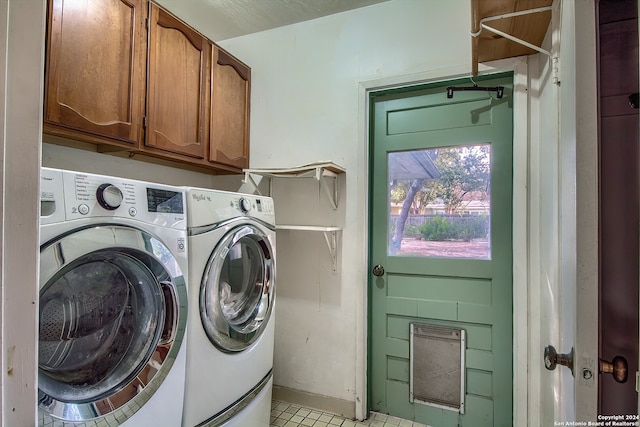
x=230, y=106
x=94, y=73
x=129, y=75
x=177, y=87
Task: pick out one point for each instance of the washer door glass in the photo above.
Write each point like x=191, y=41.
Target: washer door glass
x=237, y=290
x=108, y=314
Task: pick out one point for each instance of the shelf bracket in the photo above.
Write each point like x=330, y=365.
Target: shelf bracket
x=509, y=36
x=332, y=194
x=331, y=239
x=248, y=179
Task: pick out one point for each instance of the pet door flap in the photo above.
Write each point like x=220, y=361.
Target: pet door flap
x=437, y=366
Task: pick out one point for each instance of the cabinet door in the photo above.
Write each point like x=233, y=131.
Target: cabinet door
x=94, y=79
x=178, y=87
x=230, y=96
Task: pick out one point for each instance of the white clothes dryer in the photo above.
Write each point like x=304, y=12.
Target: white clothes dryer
x=231, y=298
x=113, y=301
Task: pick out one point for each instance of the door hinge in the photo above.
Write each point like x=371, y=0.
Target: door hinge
x=637, y=381
x=555, y=64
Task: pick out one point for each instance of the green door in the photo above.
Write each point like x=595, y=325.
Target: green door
x=440, y=284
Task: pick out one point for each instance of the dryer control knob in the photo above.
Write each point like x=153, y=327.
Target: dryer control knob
x=245, y=205
x=109, y=196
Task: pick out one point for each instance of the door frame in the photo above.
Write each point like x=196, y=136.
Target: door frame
x=521, y=325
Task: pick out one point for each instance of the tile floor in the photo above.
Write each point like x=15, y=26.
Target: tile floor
x=285, y=414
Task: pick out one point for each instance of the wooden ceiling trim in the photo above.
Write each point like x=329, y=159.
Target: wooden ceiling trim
x=489, y=46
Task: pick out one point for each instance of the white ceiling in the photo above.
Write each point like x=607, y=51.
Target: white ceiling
x=225, y=19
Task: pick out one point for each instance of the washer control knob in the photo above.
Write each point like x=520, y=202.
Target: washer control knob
x=245, y=205
x=109, y=196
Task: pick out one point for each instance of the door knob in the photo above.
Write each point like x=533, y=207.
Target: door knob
x=618, y=367
x=378, y=270
x=552, y=358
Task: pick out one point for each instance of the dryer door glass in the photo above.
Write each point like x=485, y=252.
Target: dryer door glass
x=112, y=302
x=237, y=291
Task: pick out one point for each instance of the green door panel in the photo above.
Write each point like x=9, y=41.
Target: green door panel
x=452, y=266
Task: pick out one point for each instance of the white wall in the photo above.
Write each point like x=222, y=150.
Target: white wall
x=307, y=105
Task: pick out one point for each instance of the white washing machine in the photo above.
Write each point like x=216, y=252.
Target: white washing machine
x=231, y=300
x=113, y=301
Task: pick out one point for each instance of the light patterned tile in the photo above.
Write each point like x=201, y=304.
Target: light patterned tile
x=296, y=419
x=380, y=417
x=284, y=414
x=303, y=412
x=336, y=421
x=392, y=421
x=325, y=418
x=282, y=406
x=314, y=415
x=292, y=409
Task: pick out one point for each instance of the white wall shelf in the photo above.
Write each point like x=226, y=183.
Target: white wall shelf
x=320, y=171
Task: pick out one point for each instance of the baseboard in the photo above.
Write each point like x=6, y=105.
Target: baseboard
x=333, y=405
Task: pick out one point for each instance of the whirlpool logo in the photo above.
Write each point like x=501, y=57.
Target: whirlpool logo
x=200, y=197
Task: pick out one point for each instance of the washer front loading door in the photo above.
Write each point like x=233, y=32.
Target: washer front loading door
x=237, y=290
x=110, y=322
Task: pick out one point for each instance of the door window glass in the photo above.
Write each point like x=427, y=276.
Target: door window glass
x=440, y=202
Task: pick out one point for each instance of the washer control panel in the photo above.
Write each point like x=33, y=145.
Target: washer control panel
x=207, y=207
x=255, y=206
x=89, y=195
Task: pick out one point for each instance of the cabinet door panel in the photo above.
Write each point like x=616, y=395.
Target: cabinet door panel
x=177, y=86
x=230, y=97
x=95, y=67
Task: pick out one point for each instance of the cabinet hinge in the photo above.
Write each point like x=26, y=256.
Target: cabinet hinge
x=144, y=122
x=146, y=23
x=637, y=381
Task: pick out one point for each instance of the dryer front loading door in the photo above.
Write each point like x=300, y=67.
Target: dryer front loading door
x=237, y=290
x=110, y=322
